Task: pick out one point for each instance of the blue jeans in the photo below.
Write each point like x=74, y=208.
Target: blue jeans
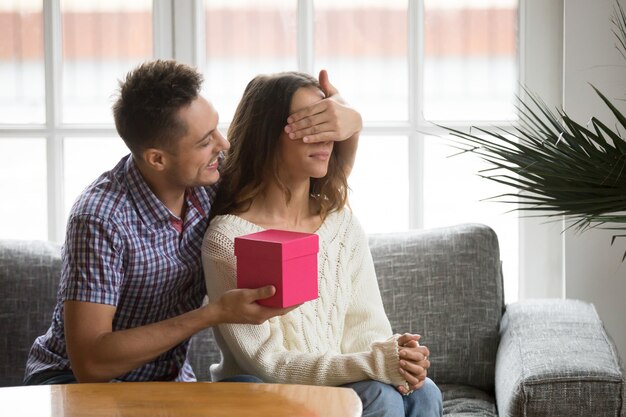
x=382, y=400
x=242, y=378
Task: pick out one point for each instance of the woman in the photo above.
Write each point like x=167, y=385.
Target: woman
x=344, y=337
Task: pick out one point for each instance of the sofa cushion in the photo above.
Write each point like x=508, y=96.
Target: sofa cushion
x=29, y=275
x=464, y=401
x=446, y=285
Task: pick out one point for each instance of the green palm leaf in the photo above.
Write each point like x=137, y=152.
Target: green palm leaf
x=558, y=166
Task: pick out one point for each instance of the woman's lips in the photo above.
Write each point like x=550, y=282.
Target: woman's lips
x=322, y=156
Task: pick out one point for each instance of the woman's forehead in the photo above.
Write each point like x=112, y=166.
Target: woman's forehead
x=306, y=96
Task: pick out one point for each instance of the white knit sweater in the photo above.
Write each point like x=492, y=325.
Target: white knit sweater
x=343, y=336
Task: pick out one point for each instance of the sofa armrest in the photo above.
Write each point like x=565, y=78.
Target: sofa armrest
x=556, y=359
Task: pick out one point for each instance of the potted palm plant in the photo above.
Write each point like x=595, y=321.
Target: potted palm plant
x=556, y=165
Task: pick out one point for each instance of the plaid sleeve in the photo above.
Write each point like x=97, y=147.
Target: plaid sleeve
x=92, y=261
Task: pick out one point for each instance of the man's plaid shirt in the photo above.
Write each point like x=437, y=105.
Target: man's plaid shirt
x=124, y=248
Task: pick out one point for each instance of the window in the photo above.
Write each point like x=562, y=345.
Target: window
x=101, y=40
x=404, y=64
x=470, y=77
x=470, y=60
x=59, y=65
x=22, y=92
x=243, y=39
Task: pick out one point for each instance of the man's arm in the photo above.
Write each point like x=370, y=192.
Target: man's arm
x=329, y=120
x=93, y=273
x=99, y=354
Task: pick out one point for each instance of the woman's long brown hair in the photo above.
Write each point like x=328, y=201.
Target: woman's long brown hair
x=252, y=161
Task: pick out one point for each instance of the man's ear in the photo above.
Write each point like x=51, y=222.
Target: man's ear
x=155, y=158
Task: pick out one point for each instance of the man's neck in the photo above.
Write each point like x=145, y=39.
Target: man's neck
x=171, y=196
x=175, y=202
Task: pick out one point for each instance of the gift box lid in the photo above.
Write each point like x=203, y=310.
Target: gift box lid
x=276, y=244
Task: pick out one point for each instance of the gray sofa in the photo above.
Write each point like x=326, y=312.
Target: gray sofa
x=533, y=358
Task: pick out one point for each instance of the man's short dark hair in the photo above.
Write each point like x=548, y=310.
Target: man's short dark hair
x=146, y=110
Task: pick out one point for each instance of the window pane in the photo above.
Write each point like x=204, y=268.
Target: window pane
x=23, y=212
x=470, y=62
x=243, y=39
x=379, y=184
x=22, y=77
x=452, y=194
x=363, y=45
x=102, y=41
x=85, y=160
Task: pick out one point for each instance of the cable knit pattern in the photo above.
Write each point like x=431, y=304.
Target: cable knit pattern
x=343, y=336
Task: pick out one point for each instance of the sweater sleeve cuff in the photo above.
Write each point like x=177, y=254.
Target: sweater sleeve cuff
x=391, y=359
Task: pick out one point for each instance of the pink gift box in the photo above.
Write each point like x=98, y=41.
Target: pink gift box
x=286, y=260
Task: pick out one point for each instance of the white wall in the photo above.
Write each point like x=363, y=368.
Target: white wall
x=541, y=241
x=593, y=268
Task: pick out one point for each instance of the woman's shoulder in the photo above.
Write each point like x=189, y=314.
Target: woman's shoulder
x=219, y=238
x=230, y=226
x=344, y=217
x=342, y=222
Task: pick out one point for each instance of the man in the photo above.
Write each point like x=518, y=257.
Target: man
x=132, y=286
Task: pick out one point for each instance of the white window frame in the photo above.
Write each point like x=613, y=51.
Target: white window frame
x=54, y=130
x=178, y=28
x=541, y=244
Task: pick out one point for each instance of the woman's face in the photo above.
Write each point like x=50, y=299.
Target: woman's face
x=299, y=160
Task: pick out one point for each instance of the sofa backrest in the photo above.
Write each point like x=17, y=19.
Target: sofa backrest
x=446, y=285
x=29, y=276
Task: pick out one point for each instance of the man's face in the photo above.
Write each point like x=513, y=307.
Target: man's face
x=194, y=162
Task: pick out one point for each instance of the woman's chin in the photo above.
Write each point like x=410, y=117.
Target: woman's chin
x=319, y=174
